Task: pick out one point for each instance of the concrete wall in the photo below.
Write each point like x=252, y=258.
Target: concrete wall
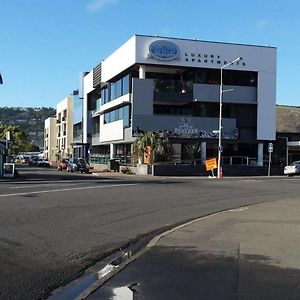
x=142, y=97
x=266, y=108
x=198, y=170
x=112, y=131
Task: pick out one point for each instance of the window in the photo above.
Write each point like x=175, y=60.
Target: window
x=125, y=85
x=126, y=116
x=118, y=88
x=118, y=114
x=115, y=90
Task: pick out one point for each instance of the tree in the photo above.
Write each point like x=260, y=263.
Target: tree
x=193, y=150
x=155, y=144
x=18, y=137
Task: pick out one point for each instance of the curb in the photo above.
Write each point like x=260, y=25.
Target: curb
x=112, y=268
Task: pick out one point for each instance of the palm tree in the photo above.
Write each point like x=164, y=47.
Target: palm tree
x=193, y=150
x=156, y=144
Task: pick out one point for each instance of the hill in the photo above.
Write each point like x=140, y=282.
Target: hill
x=29, y=119
x=288, y=119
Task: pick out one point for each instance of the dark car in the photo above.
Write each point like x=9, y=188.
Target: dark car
x=42, y=163
x=33, y=160
x=62, y=165
x=78, y=164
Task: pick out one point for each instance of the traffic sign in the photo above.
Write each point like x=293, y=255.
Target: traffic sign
x=211, y=164
x=270, y=147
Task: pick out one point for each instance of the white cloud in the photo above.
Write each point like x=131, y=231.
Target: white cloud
x=97, y=5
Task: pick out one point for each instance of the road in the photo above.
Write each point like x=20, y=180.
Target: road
x=54, y=224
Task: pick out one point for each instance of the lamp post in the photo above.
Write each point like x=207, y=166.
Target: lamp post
x=220, y=114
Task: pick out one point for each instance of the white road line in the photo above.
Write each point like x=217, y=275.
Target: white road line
x=68, y=189
x=28, y=182
x=35, y=186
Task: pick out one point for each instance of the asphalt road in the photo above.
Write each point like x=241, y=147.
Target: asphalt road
x=54, y=225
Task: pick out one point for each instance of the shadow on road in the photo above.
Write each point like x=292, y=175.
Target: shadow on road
x=190, y=274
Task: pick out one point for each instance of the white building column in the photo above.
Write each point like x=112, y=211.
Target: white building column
x=142, y=72
x=203, y=152
x=260, y=154
x=112, y=151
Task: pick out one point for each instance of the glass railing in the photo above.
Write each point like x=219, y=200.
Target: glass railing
x=97, y=108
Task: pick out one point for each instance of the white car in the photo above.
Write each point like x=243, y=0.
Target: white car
x=292, y=169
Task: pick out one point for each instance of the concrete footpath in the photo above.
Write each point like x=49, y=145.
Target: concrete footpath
x=246, y=253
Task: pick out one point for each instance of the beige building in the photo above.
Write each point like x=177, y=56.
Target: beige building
x=50, y=139
x=64, y=127
x=59, y=131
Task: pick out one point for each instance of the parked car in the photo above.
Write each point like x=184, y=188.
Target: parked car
x=292, y=169
x=62, y=165
x=42, y=163
x=33, y=160
x=78, y=164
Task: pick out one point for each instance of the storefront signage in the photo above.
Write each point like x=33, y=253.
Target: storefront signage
x=186, y=129
x=208, y=58
x=164, y=50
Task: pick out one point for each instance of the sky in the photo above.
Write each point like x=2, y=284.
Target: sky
x=45, y=44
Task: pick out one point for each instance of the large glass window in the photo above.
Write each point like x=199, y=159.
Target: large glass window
x=115, y=90
x=118, y=88
x=126, y=116
x=177, y=79
x=125, y=85
x=118, y=114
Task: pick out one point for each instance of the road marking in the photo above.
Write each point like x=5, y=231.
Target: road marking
x=35, y=186
x=67, y=189
x=123, y=293
x=28, y=182
x=56, y=183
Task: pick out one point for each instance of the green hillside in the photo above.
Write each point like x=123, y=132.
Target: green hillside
x=29, y=119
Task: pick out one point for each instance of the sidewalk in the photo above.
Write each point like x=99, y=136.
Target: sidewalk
x=247, y=253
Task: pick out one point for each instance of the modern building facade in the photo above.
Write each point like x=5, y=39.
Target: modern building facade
x=172, y=85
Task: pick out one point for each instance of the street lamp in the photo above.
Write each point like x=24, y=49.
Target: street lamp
x=220, y=115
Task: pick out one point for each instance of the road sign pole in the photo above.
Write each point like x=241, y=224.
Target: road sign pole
x=269, y=167
x=270, y=148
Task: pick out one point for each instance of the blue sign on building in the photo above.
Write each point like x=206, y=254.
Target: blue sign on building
x=164, y=50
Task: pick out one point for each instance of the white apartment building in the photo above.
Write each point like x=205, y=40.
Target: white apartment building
x=172, y=85
x=64, y=127
x=50, y=139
